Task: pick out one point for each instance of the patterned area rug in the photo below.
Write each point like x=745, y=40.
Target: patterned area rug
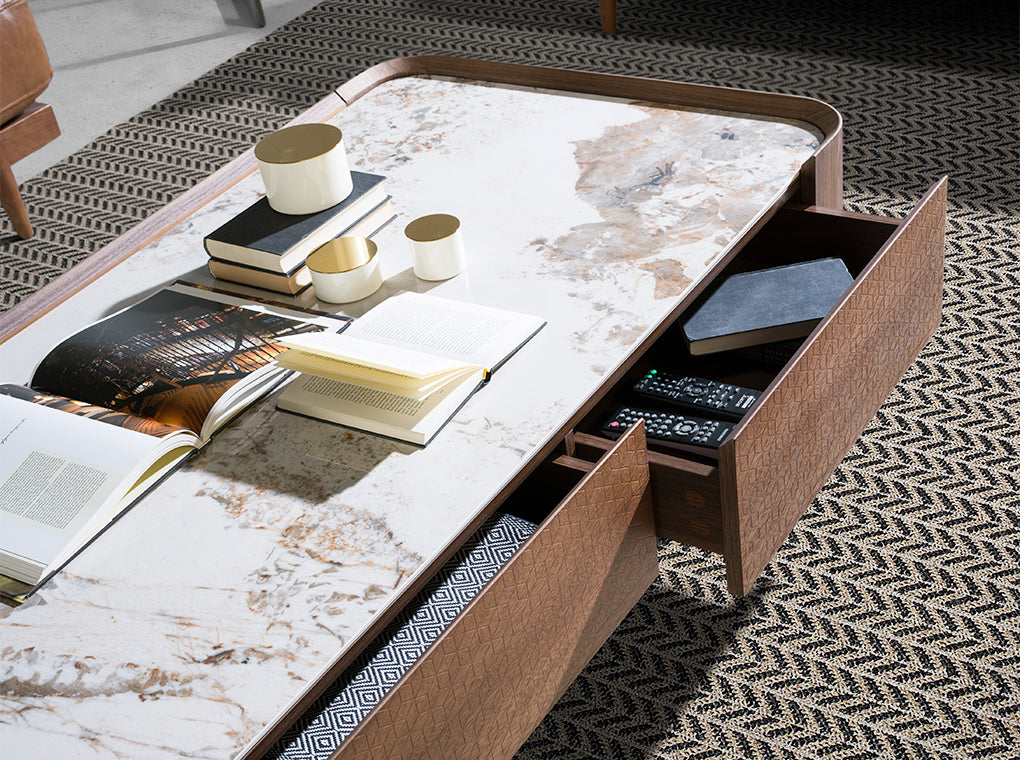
x=888, y=625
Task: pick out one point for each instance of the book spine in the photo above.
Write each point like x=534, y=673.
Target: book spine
x=299, y=279
x=266, y=238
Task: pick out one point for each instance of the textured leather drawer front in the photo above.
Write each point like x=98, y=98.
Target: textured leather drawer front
x=495, y=672
x=685, y=495
x=744, y=504
x=780, y=457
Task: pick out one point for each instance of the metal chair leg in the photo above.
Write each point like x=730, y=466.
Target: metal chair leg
x=257, y=14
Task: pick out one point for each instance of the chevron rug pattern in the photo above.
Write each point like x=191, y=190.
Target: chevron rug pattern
x=888, y=626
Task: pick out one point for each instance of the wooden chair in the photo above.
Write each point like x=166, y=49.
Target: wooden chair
x=27, y=125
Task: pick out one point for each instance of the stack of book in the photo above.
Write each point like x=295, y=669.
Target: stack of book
x=406, y=367
x=265, y=249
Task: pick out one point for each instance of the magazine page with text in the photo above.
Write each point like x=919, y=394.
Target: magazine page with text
x=117, y=406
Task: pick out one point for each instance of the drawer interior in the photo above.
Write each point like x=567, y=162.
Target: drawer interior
x=798, y=233
x=685, y=485
x=549, y=485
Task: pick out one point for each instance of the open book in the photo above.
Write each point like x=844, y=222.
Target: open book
x=405, y=368
x=113, y=408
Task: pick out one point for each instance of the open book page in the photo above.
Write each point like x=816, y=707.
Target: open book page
x=389, y=368
x=186, y=357
x=405, y=368
x=477, y=335
x=389, y=414
x=64, y=476
x=98, y=413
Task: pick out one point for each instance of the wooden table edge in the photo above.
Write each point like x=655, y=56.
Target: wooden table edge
x=823, y=188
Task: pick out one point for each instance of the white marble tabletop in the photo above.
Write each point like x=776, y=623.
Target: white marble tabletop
x=205, y=612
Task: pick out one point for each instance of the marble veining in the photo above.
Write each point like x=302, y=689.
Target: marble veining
x=203, y=614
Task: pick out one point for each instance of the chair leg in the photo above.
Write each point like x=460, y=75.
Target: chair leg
x=10, y=198
x=257, y=14
x=607, y=10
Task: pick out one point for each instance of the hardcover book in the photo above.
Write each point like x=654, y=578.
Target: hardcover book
x=405, y=368
x=116, y=406
x=263, y=237
x=300, y=277
x=766, y=305
x=289, y=283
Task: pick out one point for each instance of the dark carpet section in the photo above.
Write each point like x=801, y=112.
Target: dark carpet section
x=888, y=625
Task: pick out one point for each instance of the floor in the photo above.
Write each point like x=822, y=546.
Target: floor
x=114, y=58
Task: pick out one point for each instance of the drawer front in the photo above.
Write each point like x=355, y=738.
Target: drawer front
x=685, y=496
x=495, y=672
x=781, y=456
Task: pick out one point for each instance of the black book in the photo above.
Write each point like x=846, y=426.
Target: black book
x=766, y=305
x=296, y=281
x=264, y=238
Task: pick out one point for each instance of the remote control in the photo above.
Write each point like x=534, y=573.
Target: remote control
x=671, y=429
x=696, y=394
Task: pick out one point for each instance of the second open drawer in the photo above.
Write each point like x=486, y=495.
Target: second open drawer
x=744, y=502
x=502, y=663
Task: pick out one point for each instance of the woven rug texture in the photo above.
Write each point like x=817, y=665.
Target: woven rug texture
x=888, y=625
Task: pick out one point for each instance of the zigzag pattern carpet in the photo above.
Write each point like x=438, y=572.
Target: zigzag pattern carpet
x=888, y=625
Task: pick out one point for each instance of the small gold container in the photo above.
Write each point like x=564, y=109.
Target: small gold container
x=345, y=269
x=304, y=168
x=437, y=247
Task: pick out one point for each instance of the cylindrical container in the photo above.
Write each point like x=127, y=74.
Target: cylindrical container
x=304, y=168
x=437, y=247
x=345, y=269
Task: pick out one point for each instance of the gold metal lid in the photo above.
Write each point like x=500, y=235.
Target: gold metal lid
x=342, y=255
x=426, y=229
x=301, y=142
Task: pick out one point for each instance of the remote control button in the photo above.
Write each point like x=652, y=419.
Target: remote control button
x=696, y=394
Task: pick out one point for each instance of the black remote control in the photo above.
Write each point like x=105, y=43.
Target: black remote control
x=671, y=429
x=697, y=394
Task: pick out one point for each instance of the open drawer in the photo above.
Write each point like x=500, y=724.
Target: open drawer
x=743, y=500
x=502, y=663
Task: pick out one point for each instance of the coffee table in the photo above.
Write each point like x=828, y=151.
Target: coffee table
x=204, y=620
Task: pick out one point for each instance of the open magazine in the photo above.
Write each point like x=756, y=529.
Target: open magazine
x=113, y=408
